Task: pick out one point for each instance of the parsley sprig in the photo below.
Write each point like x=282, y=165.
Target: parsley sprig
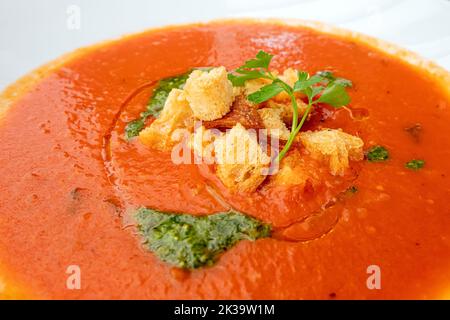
x=323, y=87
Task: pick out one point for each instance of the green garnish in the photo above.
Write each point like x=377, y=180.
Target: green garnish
x=161, y=92
x=352, y=190
x=190, y=242
x=156, y=103
x=322, y=87
x=415, y=164
x=134, y=127
x=377, y=154
x=329, y=75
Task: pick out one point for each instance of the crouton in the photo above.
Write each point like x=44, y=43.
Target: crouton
x=254, y=85
x=334, y=146
x=176, y=114
x=240, y=160
x=202, y=143
x=271, y=118
x=294, y=170
x=210, y=94
x=289, y=76
x=238, y=91
x=287, y=110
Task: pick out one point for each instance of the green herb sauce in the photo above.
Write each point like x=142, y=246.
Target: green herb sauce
x=190, y=242
x=134, y=127
x=156, y=103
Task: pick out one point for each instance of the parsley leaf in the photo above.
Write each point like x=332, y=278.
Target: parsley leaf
x=330, y=77
x=265, y=93
x=239, y=80
x=332, y=90
x=252, y=69
x=302, y=75
x=262, y=60
x=415, y=164
x=343, y=82
x=334, y=95
x=301, y=85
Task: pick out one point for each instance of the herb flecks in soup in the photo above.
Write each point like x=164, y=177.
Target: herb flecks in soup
x=186, y=241
x=415, y=164
x=377, y=154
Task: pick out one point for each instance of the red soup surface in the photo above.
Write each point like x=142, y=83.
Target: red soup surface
x=68, y=178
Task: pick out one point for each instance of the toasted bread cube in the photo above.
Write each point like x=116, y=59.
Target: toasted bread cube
x=254, y=85
x=273, y=122
x=290, y=76
x=287, y=110
x=238, y=91
x=176, y=114
x=334, y=146
x=251, y=86
x=202, y=143
x=240, y=160
x=294, y=171
x=210, y=94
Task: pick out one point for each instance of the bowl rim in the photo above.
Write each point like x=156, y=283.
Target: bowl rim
x=426, y=66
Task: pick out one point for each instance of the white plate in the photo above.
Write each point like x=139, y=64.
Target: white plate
x=33, y=32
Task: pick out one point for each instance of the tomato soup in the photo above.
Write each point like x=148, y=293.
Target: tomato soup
x=69, y=180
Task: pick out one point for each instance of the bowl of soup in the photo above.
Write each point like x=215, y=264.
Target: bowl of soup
x=235, y=159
